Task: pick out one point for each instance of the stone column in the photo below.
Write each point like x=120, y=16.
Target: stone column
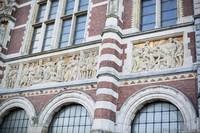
x=110, y=65
x=197, y=36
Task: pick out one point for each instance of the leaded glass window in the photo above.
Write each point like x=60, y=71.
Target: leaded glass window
x=62, y=23
x=71, y=119
x=15, y=122
x=169, y=12
x=158, y=13
x=148, y=14
x=158, y=117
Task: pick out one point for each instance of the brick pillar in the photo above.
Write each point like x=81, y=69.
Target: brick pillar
x=110, y=65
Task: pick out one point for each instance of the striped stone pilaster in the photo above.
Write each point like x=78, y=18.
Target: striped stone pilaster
x=110, y=65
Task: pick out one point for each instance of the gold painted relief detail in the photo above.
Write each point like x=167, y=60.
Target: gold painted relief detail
x=155, y=55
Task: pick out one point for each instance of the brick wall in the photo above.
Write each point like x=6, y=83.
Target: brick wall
x=188, y=8
x=97, y=23
x=192, y=45
x=187, y=87
x=16, y=41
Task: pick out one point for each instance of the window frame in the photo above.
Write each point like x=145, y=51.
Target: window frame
x=137, y=10
x=58, y=22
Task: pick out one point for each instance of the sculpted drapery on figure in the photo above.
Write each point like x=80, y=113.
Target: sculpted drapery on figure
x=11, y=76
x=81, y=65
x=160, y=55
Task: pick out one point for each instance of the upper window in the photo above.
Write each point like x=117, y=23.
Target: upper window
x=15, y=122
x=71, y=119
x=158, y=117
x=59, y=24
x=158, y=13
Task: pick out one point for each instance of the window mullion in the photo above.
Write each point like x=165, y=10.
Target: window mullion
x=158, y=14
x=57, y=26
x=72, y=29
x=41, y=40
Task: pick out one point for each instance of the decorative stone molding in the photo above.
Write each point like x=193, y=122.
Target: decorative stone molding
x=6, y=21
x=157, y=55
x=19, y=102
x=78, y=66
x=155, y=93
x=136, y=15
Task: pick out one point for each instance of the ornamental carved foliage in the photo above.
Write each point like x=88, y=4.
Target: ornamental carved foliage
x=61, y=69
x=156, y=55
x=11, y=76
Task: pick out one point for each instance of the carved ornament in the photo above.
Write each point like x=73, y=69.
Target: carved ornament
x=156, y=55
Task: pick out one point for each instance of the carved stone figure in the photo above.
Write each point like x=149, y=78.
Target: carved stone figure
x=31, y=74
x=61, y=64
x=159, y=56
x=49, y=69
x=39, y=73
x=2, y=33
x=71, y=69
x=113, y=6
x=11, y=77
x=24, y=79
x=83, y=65
x=94, y=70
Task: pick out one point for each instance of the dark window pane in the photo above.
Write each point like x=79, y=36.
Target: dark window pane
x=47, y=38
x=83, y=5
x=35, y=40
x=41, y=12
x=64, y=38
x=73, y=120
x=158, y=117
x=69, y=7
x=79, y=30
x=13, y=122
x=53, y=10
x=148, y=15
x=169, y=12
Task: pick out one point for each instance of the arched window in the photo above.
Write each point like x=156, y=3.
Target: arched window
x=71, y=119
x=158, y=117
x=15, y=122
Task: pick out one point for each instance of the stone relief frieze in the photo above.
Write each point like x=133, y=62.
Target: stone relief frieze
x=78, y=66
x=156, y=55
x=11, y=76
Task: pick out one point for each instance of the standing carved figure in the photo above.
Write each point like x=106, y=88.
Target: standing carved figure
x=90, y=66
x=94, y=71
x=136, y=58
x=170, y=50
x=2, y=33
x=179, y=53
x=11, y=77
x=39, y=72
x=31, y=74
x=83, y=65
x=47, y=69
x=24, y=79
x=61, y=64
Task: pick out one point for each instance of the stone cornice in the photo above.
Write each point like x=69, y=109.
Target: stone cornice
x=50, y=51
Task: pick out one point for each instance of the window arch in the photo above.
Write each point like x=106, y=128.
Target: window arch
x=72, y=118
x=16, y=121
x=158, y=117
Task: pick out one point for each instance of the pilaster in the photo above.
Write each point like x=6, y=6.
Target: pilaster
x=110, y=65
